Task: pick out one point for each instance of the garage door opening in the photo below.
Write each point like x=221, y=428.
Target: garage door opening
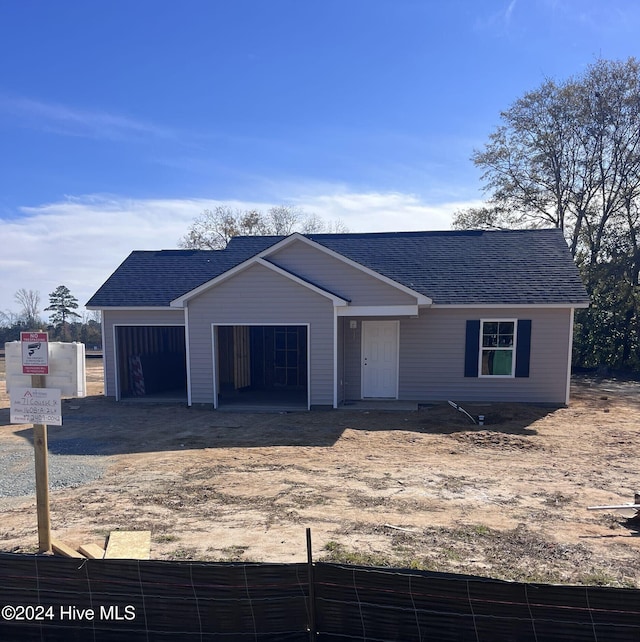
x=263, y=366
x=151, y=363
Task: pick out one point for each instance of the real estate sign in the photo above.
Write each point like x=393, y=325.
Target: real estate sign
x=35, y=406
x=35, y=353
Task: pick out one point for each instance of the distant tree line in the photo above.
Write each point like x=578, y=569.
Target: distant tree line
x=65, y=324
x=567, y=155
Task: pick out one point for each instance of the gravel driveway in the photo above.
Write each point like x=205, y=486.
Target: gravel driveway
x=17, y=473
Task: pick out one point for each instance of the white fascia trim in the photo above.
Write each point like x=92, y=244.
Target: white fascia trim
x=377, y=311
x=296, y=236
x=254, y=260
x=133, y=308
x=514, y=306
x=124, y=324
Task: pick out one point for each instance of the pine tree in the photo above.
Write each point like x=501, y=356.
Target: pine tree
x=62, y=303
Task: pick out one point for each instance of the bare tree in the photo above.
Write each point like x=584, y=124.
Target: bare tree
x=283, y=220
x=29, y=301
x=314, y=224
x=213, y=229
x=8, y=318
x=252, y=223
x=567, y=155
x=484, y=218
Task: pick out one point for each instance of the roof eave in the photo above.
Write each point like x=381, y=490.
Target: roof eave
x=565, y=305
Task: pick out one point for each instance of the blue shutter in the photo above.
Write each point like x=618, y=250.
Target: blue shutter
x=472, y=346
x=523, y=348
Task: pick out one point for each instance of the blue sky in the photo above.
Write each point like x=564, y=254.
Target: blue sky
x=121, y=120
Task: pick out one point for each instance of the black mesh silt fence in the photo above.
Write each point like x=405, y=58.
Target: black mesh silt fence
x=63, y=599
x=51, y=598
x=359, y=603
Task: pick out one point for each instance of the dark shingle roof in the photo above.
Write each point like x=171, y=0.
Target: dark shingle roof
x=471, y=267
x=457, y=267
x=148, y=278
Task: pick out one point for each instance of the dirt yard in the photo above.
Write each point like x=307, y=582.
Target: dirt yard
x=423, y=489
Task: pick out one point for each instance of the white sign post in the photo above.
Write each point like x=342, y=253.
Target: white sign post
x=34, y=402
x=35, y=406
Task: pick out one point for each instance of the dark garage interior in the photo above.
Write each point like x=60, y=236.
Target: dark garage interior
x=152, y=362
x=262, y=365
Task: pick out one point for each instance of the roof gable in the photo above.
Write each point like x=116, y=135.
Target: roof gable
x=256, y=260
x=272, y=251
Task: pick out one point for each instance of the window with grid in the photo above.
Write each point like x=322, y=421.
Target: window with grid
x=497, y=348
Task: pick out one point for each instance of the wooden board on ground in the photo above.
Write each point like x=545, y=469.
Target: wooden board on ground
x=129, y=545
x=616, y=507
x=92, y=551
x=62, y=549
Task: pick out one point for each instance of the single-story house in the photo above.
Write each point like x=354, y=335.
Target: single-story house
x=326, y=319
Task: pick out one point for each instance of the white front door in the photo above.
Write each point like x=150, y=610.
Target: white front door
x=380, y=359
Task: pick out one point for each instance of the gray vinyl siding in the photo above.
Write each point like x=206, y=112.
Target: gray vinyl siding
x=341, y=361
x=431, y=359
x=111, y=318
x=338, y=277
x=351, y=350
x=254, y=296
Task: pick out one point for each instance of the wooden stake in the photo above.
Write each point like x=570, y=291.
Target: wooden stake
x=42, y=477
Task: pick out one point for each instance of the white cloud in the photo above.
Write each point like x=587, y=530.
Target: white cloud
x=499, y=21
x=509, y=12
x=381, y=212
x=68, y=121
x=79, y=242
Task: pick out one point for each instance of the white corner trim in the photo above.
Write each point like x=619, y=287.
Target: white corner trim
x=103, y=332
x=214, y=365
x=187, y=348
x=569, y=357
x=116, y=357
x=335, y=357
